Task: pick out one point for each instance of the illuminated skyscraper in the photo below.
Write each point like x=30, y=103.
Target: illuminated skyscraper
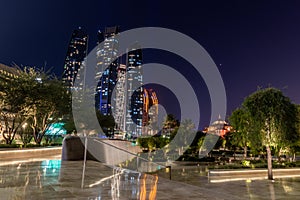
x=128, y=102
x=120, y=107
x=106, y=71
x=76, y=53
x=150, y=112
x=134, y=88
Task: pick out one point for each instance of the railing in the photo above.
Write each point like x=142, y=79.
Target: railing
x=139, y=158
x=91, y=148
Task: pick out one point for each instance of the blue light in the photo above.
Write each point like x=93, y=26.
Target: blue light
x=56, y=129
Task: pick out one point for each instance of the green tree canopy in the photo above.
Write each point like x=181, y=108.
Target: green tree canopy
x=36, y=98
x=240, y=121
x=170, y=126
x=274, y=119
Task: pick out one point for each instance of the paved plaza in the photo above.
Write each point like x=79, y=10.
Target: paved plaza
x=56, y=179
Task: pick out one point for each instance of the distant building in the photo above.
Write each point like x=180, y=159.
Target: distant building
x=121, y=95
x=128, y=107
x=76, y=53
x=7, y=72
x=218, y=127
x=134, y=79
x=107, y=66
x=150, y=112
x=128, y=103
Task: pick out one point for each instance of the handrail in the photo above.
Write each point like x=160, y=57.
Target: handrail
x=136, y=155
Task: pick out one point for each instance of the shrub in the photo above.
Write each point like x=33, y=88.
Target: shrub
x=246, y=163
x=9, y=145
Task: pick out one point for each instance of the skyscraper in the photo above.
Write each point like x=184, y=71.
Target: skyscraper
x=150, y=112
x=128, y=101
x=76, y=53
x=106, y=70
x=121, y=95
x=134, y=111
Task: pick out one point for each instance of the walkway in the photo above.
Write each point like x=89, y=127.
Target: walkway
x=53, y=179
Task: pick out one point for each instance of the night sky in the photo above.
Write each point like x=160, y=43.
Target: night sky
x=253, y=43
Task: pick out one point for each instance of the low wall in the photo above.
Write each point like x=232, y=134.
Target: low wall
x=236, y=175
x=110, y=152
x=18, y=154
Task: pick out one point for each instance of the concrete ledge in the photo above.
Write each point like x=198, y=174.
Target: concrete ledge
x=15, y=154
x=110, y=152
x=73, y=149
x=254, y=174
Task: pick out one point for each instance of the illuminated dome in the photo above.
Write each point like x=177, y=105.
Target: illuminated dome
x=218, y=127
x=219, y=122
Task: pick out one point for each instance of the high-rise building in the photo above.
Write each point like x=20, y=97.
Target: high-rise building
x=150, y=112
x=76, y=53
x=128, y=101
x=134, y=111
x=106, y=70
x=120, y=106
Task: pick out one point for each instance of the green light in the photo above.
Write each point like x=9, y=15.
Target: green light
x=56, y=129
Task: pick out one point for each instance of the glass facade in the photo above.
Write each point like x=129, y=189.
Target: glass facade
x=76, y=53
x=134, y=111
x=120, y=108
x=150, y=112
x=128, y=102
x=106, y=69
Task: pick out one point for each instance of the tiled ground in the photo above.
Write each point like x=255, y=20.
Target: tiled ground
x=53, y=179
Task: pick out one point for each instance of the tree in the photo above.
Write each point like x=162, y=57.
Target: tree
x=170, y=126
x=25, y=134
x=275, y=119
x=106, y=122
x=295, y=146
x=239, y=120
x=182, y=137
x=143, y=142
x=12, y=108
x=188, y=132
x=46, y=102
x=69, y=124
x=12, y=122
x=33, y=97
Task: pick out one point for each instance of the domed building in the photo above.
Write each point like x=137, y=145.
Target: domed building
x=218, y=127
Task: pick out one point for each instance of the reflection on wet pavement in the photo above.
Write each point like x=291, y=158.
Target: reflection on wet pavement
x=56, y=179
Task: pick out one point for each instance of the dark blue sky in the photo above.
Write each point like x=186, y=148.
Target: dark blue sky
x=254, y=43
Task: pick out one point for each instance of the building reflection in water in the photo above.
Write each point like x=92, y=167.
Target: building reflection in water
x=20, y=177
x=153, y=187
x=53, y=179
x=140, y=186
x=272, y=191
x=115, y=183
x=51, y=167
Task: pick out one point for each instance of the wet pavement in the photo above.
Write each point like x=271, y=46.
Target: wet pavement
x=56, y=179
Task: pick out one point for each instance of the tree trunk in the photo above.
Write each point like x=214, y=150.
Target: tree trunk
x=7, y=141
x=269, y=158
x=10, y=141
x=294, y=157
x=36, y=135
